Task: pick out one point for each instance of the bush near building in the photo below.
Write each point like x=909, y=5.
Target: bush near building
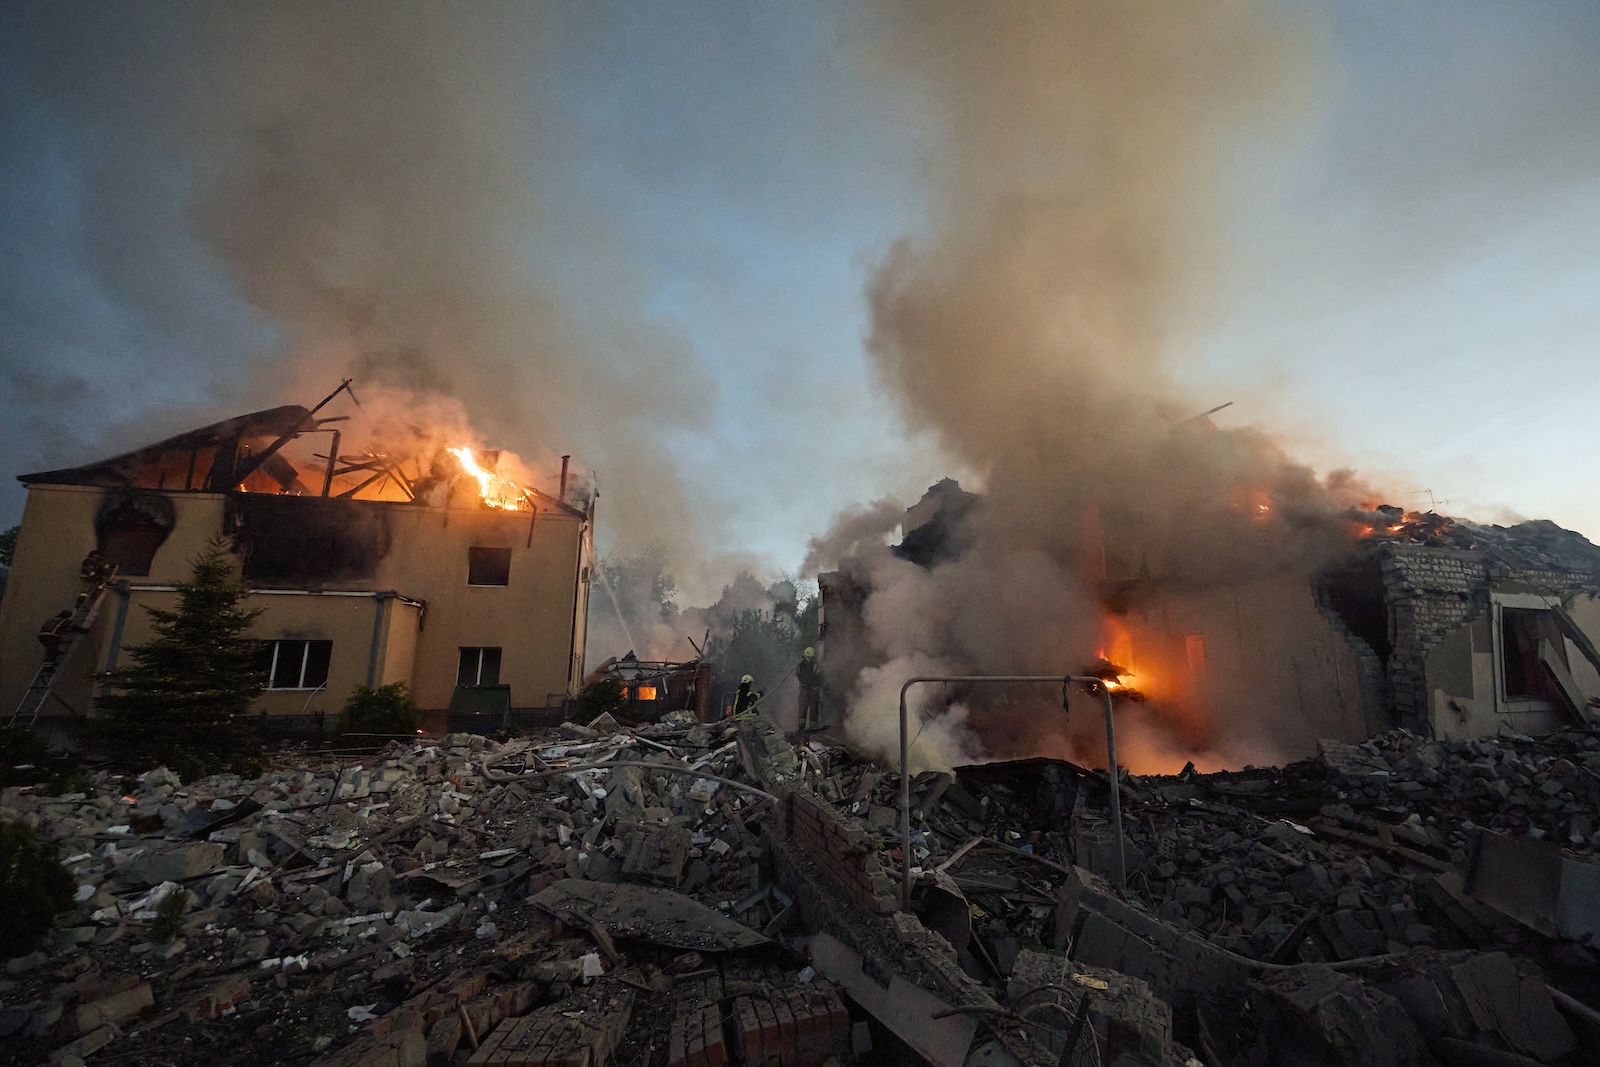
x=388, y=709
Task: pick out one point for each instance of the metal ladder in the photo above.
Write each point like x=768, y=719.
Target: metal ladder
x=44, y=680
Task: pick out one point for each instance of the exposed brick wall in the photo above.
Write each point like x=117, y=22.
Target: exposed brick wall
x=841, y=847
x=769, y=1026
x=1430, y=593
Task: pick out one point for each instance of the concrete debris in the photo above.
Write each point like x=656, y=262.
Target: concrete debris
x=688, y=893
x=659, y=916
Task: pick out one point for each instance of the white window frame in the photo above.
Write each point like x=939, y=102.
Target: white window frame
x=1503, y=704
x=305, y=660
x=477, y=674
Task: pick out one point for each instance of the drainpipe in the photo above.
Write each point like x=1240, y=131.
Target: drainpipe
x=905, y=765
x=115, y=650
x=380, y=633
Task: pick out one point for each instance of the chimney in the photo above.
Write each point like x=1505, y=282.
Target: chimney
x=561, y=494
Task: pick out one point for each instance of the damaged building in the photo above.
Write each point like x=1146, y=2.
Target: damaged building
x=1445, y=627
x=367, y=569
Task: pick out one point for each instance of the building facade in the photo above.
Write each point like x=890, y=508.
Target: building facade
x=476, y=608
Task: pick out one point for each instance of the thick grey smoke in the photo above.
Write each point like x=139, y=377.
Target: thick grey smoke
x=1031, y=328
x=371, y=177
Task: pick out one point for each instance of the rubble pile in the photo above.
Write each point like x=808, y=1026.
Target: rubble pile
x=399, y=907
x=710, y=893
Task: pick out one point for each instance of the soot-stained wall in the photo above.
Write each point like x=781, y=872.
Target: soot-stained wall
x=300, y=540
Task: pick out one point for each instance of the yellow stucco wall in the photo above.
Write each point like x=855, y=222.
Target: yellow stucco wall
x=534, y=619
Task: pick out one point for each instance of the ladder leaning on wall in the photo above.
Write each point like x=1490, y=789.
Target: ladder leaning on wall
x=77, y=627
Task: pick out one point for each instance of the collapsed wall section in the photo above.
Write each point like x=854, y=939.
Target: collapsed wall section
x=841, y=847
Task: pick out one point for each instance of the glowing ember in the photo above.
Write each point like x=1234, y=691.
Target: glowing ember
x=497, y=492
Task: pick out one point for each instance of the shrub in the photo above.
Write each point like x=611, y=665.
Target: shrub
x=388, y=709
x=33, y=885
x=26, y=759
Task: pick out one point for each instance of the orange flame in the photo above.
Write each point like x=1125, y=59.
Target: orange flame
x=497, y=492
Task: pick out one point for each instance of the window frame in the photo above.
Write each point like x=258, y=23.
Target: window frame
x=477, y=673
x=277, y=645
x=495, y=552
x=1504, y=703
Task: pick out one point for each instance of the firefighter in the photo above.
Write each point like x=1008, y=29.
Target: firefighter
x=94, y=570
x=746, y=696
x=809, y=674
x=52, y=634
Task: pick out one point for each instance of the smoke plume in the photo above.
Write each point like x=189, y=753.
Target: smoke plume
x=381, y=184
x=1031, y=327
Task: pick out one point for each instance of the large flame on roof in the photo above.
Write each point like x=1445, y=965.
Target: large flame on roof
x=497, y=492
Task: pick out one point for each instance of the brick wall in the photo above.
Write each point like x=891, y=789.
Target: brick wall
x=1430, y=593
x=841, y=847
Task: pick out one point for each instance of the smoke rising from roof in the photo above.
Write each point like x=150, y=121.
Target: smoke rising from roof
x=368, y=175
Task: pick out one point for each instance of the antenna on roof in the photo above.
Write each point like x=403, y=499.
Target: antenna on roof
x=1433, y=505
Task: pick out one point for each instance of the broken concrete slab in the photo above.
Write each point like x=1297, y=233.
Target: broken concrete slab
x=909, y=1012
x=173, y=865
x=661, y=916
x=1319, y=1010
x=1537, y=884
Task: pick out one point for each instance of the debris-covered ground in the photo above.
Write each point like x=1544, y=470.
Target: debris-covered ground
x=687, y=893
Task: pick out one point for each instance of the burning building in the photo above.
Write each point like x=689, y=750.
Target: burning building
x=420, y=564
x=1448, y=628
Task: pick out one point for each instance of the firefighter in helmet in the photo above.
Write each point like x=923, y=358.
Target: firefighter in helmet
x=809, y=674
x=746, y=696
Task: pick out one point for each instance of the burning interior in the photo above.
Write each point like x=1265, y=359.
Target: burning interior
x=1398, y=619
x=382, y=537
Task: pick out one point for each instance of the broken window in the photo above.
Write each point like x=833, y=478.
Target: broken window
x=1523, y=633
x=295, y=664
x=488, y=566
x=129, y=527
x=478, y=666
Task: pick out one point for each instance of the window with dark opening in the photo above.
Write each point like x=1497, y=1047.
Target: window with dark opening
x=1523, y=633
x=295, y=664
x=129, y=528
x=478, y=666
x=1357, y=594
x=488, y=566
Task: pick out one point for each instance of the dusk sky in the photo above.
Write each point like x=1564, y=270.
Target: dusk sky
x=1403, y=262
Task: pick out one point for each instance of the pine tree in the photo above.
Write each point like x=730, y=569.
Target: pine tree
x=185, y=698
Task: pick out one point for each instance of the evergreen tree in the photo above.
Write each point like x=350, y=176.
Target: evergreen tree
x=184, y=699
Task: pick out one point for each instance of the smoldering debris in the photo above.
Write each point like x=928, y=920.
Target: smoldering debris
x=710, y=892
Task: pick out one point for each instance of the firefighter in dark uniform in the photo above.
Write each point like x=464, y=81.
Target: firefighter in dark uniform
x=746, y=696
x=52, y=634
x=809, y=675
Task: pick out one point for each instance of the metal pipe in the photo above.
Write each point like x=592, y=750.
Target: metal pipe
x=905, y=764
x=1116, y=791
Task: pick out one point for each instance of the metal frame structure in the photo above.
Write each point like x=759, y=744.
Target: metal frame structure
x=1090, y=681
